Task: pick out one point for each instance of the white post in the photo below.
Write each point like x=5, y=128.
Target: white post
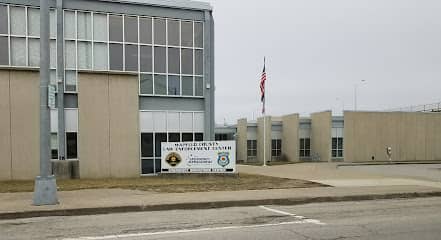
x=264, y=138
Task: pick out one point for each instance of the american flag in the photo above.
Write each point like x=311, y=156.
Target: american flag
x=262, y=87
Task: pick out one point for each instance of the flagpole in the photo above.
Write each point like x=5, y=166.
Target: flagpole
x=264, y=120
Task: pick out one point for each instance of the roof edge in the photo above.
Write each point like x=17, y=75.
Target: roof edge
x=181, y=4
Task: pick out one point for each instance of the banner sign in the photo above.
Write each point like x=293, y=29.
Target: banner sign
x=199, y=157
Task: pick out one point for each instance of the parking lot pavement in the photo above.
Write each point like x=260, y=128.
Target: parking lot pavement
x=430, y=172
x=428, y=175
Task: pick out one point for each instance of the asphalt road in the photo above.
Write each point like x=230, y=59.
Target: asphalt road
x=386, y=219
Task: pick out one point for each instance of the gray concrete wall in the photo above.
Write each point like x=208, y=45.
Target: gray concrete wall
x=260, y=139
x=108, y=126
x=290, y=138
x=241, y=140
x=412, y=136
x=321, y=139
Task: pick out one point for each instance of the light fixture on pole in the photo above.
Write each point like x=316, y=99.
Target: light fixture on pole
x=355, y=94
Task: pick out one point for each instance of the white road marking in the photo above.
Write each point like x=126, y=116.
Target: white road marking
x=133, y=235
x=305, y=219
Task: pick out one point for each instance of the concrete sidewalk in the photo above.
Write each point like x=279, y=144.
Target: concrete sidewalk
x=102, y=201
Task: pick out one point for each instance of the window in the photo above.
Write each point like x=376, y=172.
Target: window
x=131, y=29
x=159, y=138
x=100, y=56
x=18, y=51
x=198, y=35
x=187, y=86
x=337, y=147
x=174, y=60
x=71, y=145
x=4, y=51
x=84, y=55
x=174, y=85
x=187, y=137
x=84, y=21
x=131, y=57
x=305, y=147
x=252, y=148
x=116, y=56
x=276, y=148
x=100, y=27
x=198, y=137
x=160, y=85
x=160, y=34
x=115, y=28
x=70, y=54
x=70, y=81
x=33, y=22
x=160, y=59
x=199, y=62
x=186, y=34
x=187, y=61
x=4, y=19
x=146, y=85
x=146, y=145
x=199, y=86
x=173, y=32
x=145, y=30
x=146, y=58
x=54, y=146
x=34, y=52
x=174, y=137
x=69, y=25
x=18, y=20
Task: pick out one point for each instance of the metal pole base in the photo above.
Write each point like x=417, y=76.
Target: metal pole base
x=45, y=191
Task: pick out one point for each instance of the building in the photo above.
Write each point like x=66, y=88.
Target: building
x=354, y=137
x=136, y=73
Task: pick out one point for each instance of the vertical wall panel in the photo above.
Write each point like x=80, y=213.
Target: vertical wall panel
x=321, y=125
x=430, y=137
x=93, y=136
x=25, y=128
x=437, y=119
x=241, y=140
x=349, y=147
x=5, y=127
x=261, y=145
x=420, y=140
x=124, y=130
x=290, y=137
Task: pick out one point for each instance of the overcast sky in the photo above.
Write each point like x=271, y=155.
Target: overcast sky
x=317, y=50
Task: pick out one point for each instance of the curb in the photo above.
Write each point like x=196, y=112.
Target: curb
x=211, y=205
x=386, y=163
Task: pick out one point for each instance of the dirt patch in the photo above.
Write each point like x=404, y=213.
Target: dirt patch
x=171, y=184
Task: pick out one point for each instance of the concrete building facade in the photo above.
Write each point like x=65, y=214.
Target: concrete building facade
x=354, y=137
x=136, y=73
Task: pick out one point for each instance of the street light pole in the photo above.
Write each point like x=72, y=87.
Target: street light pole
x=355, y=94
x=45, y=192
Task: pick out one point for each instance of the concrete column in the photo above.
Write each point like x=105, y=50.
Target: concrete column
x=290, y=138
x=260, y=142
x=209, y=87
x=321, y=130
x=241, y=140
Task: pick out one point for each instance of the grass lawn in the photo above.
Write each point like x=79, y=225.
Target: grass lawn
x=171, y=184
